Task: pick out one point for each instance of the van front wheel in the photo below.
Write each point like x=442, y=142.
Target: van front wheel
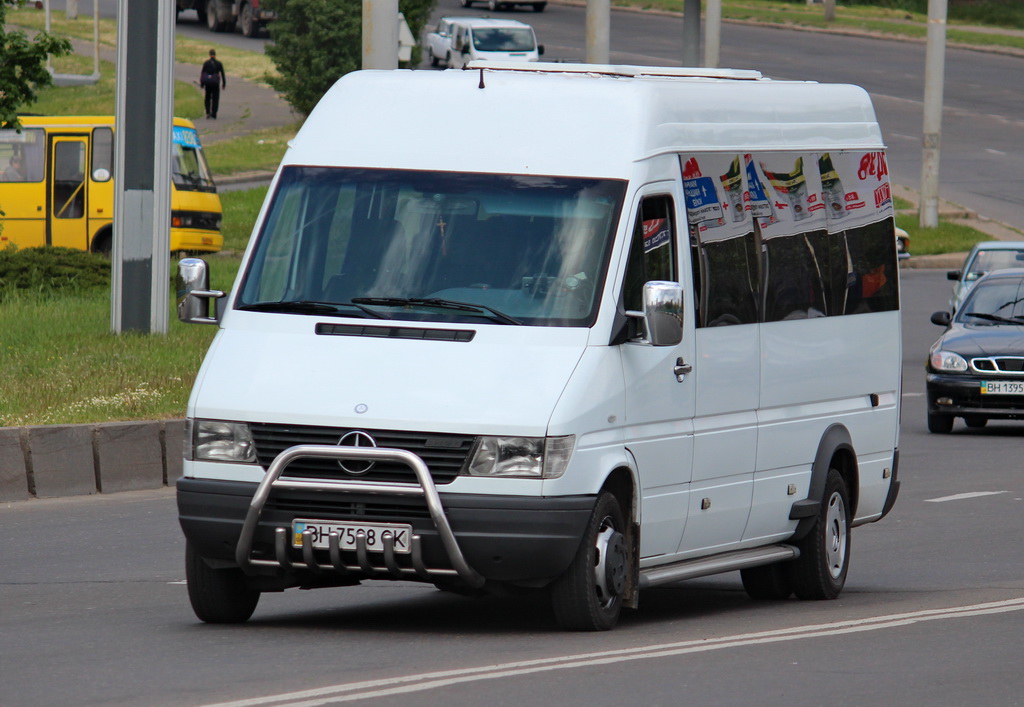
x=588, y=597
x=218, y=596
x=820, y=571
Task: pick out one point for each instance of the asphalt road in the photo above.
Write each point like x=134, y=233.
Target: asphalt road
x=93, y=610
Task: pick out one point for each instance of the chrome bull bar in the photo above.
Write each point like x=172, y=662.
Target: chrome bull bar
x=425, y=488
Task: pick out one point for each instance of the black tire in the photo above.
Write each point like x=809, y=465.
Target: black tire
x=218, y=596
x=940, y=424
x=820, y=571
x=102, y=243
x=539, y=6
x=434, y=61
x=975, y=421
x=588, y=597
x=466, y=3
x=768, y=582
x=213, y=22
x=250, y=27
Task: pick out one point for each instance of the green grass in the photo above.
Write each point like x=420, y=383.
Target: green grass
x=101, y=98
x=238, y=62
x=949, y=237
x=59, y=363
x=259, y=150
x=240, y=211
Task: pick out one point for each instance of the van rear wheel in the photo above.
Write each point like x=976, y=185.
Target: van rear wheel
x=218, y=596
x=820, y=571
x=768, y=582
x=588, y=597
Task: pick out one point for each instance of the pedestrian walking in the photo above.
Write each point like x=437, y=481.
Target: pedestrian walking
x=212, y=78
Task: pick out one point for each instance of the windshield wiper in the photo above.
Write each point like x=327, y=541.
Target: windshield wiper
x=495, y=314
x=995, y=318
x=308, y=307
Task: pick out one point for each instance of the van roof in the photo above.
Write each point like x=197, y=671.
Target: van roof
x=561, y=119
x=478, y=22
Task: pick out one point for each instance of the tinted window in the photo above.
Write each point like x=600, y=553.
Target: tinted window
x=652, y=253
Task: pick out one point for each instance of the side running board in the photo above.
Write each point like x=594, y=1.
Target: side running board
x=703, y=566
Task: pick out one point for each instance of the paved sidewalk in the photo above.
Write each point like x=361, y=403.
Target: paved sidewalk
x=245, y=106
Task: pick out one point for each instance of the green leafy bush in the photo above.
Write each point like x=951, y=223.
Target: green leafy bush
x=46, y=270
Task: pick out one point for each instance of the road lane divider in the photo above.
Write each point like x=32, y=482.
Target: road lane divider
x=403, y=684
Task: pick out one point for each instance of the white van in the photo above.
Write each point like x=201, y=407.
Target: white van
x=657, y=340
x=459, y=40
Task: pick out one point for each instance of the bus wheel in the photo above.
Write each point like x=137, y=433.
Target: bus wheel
x=768, y=582
x=820, y=571
x=588, y=597
x=218, y=596
x=101, y=243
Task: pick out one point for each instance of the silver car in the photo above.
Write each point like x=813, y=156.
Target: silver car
x=983, y=258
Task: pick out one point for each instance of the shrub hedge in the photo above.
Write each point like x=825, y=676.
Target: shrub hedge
x=48, y=269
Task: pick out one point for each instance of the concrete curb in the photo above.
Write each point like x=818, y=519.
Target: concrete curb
x=51, y=461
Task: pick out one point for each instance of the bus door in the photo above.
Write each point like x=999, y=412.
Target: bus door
x=66, y=192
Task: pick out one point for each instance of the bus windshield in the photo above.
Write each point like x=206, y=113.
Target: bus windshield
x=397, y=244
x=189, y=170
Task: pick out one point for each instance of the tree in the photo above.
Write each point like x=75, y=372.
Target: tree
x=23, y=66
x=316, y=42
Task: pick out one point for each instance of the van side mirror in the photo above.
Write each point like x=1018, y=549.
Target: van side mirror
x=663, y=312
x=953, y=275
x=941, y=318
x=193, y=293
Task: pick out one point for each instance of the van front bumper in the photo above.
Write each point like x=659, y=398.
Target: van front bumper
x=505, y=539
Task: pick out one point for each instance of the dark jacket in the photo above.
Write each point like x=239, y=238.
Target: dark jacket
x=212, y=67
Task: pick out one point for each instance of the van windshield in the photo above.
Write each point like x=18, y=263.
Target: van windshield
x=434, y=246
x=503, y=40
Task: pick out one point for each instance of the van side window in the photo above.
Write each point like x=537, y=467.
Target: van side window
x=652, y=253
x=102, y=152
x=726, y=280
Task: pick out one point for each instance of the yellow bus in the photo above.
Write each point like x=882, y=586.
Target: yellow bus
x=56, y=185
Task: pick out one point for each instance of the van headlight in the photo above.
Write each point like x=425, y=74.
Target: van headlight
x=948, y=362
x=520, y=457
x=219, y=441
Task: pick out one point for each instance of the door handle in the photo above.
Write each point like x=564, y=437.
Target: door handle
x=681, y=369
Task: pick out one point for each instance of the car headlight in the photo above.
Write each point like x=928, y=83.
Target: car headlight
x=520, y=457
x=948, y=361
x=218, y=441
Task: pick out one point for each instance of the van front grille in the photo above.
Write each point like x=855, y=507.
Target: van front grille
x=444, y=454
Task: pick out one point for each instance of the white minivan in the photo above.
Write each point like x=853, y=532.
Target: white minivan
x=459, y=40
x=659, y=339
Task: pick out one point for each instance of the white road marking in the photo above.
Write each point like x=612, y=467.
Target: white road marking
x=995, y=152
x=962, y=496
x=913, y=395
x=370, y=689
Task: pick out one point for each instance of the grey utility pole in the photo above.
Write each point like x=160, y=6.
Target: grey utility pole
x=713, y=34
x=599, y=22
x=380, y=34
x=140, y=258
x=934, y=77
x=691, y=32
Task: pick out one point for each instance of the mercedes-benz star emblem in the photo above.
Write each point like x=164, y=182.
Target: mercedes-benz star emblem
x=356, y=438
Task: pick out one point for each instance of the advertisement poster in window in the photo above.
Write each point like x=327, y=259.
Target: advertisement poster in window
x=718, y=200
